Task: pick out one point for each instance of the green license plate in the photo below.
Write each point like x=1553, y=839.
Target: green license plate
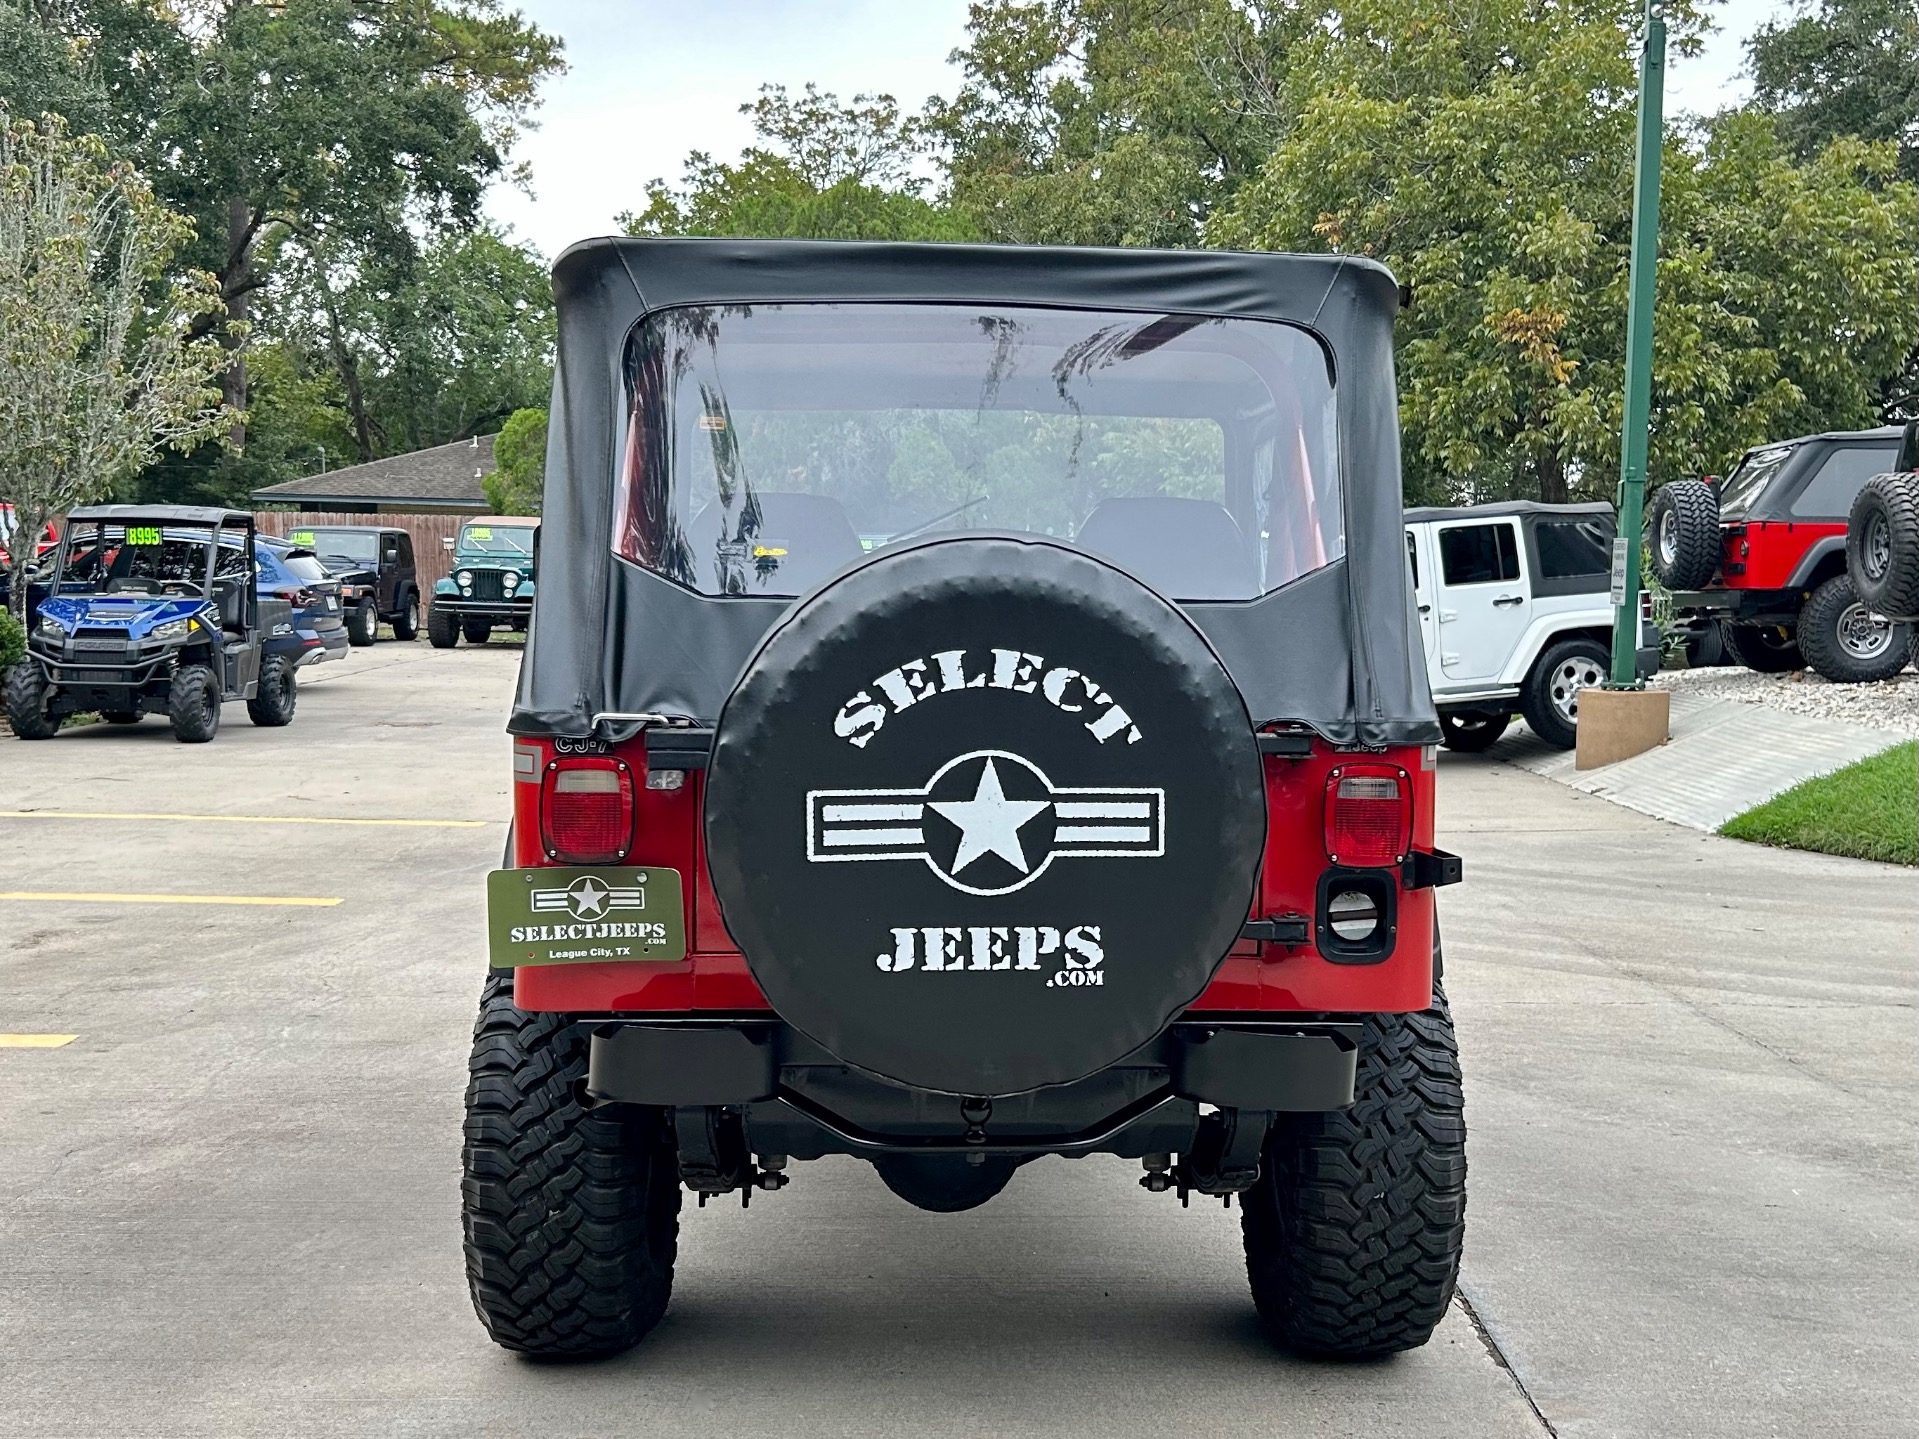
x=590, y=915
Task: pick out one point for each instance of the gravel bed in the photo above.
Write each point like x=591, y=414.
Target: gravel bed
x=1891, y=705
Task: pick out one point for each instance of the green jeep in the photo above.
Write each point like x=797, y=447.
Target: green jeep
x=491, y=583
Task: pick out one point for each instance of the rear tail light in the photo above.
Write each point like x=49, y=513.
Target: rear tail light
x=1369, y=815
x=299, y=599
x=586, y=811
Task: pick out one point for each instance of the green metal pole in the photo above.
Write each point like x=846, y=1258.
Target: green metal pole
x=1639, y=313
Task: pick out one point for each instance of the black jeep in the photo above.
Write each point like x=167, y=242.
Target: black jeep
x=378, y=579
x=974, y=712
x=153, y=609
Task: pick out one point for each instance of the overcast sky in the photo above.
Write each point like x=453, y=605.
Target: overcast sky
x=650, y=80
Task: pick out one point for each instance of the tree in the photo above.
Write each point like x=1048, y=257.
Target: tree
x=515, y=487
x=825, y=171
x=349, y=126
x=103, y=370
x=1846, y=67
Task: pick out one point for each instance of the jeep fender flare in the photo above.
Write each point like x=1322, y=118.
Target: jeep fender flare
x=1828, y=555
x=1547, y=631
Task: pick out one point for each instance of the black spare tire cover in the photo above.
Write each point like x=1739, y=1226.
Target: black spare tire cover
x=984, y=814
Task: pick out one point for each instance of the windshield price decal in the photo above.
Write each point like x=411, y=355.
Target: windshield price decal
x=301, y=537
x=479, y=532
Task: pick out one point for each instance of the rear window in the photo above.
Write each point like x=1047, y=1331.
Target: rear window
x=769, y=446
x=1830, y=492
x=1749, y=481
x=1479, y=554
x=1572, y=548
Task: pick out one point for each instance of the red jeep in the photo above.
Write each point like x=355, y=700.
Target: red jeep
x=973, y=712
x=1763, y=555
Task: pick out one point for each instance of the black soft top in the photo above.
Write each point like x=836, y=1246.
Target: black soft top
x=1501, y=508
x=1333, y=650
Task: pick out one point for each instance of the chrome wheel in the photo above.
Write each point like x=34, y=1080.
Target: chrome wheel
x=1668, y=538
x=1573, y=675
x=1864, y=635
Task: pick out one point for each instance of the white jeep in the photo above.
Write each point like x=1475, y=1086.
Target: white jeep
x=1515, y=615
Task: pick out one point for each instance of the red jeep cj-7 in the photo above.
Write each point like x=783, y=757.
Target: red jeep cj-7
x=1764, y=554
x=974, y=712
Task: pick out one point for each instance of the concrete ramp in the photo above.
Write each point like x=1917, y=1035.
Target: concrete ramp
x=1724, y=757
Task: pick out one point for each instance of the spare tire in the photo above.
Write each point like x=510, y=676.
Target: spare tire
x=983, y=815
x=1882, y=545
x=1683, y=526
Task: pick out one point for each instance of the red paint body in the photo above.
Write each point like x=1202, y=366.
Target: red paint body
x=1764, y=554
x=1255, y=977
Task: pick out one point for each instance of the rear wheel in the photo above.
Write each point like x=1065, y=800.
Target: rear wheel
x=571, y=1215
x=193, y=704
x=29, y=702
x=1550, y=698
x=1684, y=525
x=272, y=703
x=1473, y=731
x=442, y=628
x=363, y=624
x=1353, y=1231
x=406, y=624
x=1846, y=642
x=1769, y=649
x=476, y=631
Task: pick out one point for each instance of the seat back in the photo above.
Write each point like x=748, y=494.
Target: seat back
x=798, y=542
x=1185, y=549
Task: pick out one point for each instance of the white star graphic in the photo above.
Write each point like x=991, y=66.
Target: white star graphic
x=587, y=897
x=989, y=822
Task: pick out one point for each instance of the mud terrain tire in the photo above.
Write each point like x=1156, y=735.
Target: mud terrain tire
x=362, y=625
x=1683, y=528
x=477, y=632
x=193, y=704
x=26, y=700
x=272, y=703
x=406, y=624
x=571, y=1215
x=1882, y=545
x=1354, y=1228
x=1473, y=733
x=1840, y=639
x=442, y=628
x=1762, y=649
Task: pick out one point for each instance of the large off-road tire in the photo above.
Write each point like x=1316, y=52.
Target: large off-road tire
x=571, y=1215
x=1845, y=641
x=945, y=1183
x=1683, y=525
x=272, y=703
x=406, y=624
x=1550, y=697
x=1354, y=1229
x=27, y=695
x=1882, y=545
x=1473, y=731
x=1767, y=649
x=362, y=624
x=442, y=628
x=193, y=704
x=477, y=632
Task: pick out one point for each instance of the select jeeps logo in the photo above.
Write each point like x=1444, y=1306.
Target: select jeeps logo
x=987, y=823
x=588, y=898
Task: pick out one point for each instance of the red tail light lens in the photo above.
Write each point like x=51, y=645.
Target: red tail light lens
x=586, y=811
x=1369, y=815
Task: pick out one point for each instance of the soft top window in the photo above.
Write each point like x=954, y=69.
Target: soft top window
x=1569, y=548
x=768, y=446
x=1746, y=483
x=1844, y=471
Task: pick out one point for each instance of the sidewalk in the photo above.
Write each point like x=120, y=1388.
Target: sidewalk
x=1724, y=757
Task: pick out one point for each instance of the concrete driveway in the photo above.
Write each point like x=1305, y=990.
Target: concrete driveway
x=230, y=1205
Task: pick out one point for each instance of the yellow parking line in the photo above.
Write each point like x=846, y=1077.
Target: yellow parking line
x=36, y=1041
x=54, y=896
x=242, y=818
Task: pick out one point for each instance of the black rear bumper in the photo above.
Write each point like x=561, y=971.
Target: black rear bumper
x=794, y=1098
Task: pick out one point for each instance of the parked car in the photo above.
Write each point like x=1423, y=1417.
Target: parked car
x=1084, y=806
x=378, y=579
x=1764, y=553
x=491, y=583
x=151, y=612
x=295, y=574
x=1515, y=615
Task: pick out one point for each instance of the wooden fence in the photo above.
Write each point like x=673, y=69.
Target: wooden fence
x=430, y=556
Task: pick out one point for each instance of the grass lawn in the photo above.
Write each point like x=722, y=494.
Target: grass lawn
x=1869, y=810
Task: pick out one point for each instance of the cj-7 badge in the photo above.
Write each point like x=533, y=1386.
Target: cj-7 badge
x=986, y=806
